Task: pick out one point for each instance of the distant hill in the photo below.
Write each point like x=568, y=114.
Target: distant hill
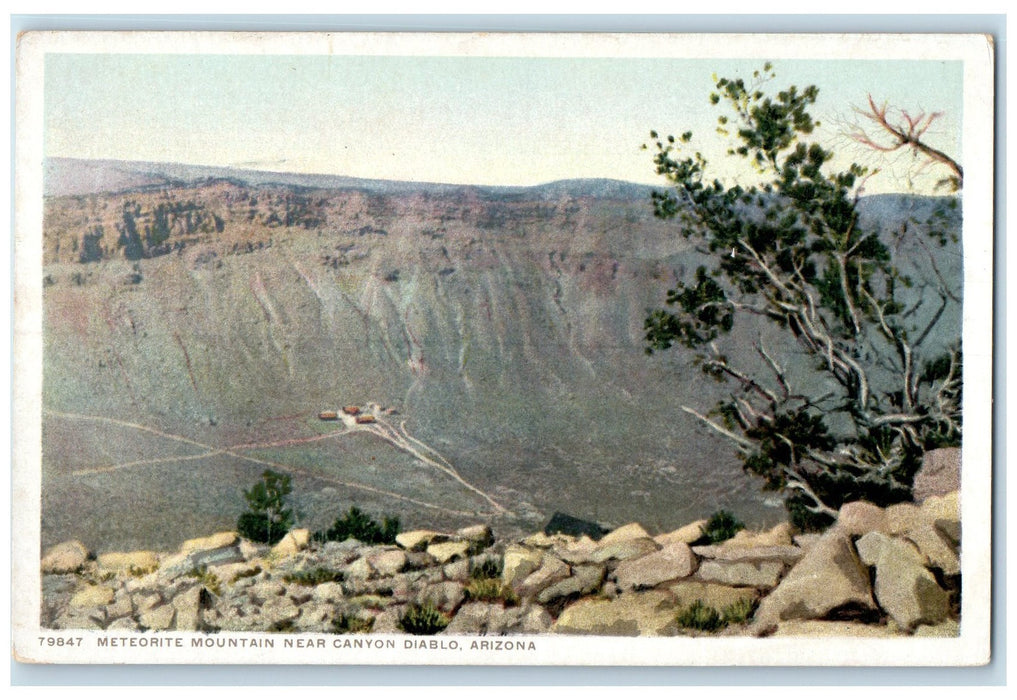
x=72, y=176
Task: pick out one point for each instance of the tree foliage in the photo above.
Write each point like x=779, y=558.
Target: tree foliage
x=792, y=253
x=358, y=525
x=268, y=519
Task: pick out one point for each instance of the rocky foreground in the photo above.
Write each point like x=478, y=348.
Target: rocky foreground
x=876, y=572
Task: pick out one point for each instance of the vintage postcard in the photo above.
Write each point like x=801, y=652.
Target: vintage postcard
x=547, y=349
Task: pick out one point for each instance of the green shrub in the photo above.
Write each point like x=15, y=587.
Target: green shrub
x=700, y=617
x=358, y=525
x=351, y=624
x=423, y=620
x=739, y=612
x=720, y=526
x=490, y=590
x=206, y=579
x=268, y=519
x=313, y=577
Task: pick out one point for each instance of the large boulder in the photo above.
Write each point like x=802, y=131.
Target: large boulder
x=859, y=517
x=188, y=606
x=585, y=579
x=757, y=574
x=777, y=536
x=64, y=558
x=141, y=562
x=444, y=552
x=551, y=570
x=904, y=588
x=388, y=562
x=939, y=473
x=92, y=597
x=216, y=541
x=674, y=561
x=651, y=613
x=686, y=534
x=937, y=550
x=627, y=542
x=292, y=542
x=479, y=536
x=829, y=580
x=944, y=513
x=417, y=540
x=519, y=562
x=789, y=554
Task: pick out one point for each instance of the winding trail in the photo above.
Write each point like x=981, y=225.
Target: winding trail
x=397, y=437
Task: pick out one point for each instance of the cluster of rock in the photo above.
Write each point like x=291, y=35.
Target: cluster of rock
x=877, y=571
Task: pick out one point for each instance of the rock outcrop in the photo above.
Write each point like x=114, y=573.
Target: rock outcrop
x=876, y=572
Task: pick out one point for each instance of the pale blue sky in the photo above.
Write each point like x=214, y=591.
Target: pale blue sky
x=504, y=121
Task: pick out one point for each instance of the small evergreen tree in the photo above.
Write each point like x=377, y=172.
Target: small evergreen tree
x=358, y=525
x=865, y=379
x=268, y=519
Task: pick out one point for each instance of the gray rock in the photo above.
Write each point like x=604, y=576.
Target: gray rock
x=585, y=579
x=687, y=534
x=904, y=588
x=121, y=606
x=127, y=562
x=417, y=540
x=416, y=561
x=123, y=624
x=360, y=569
x=674, y=561
x=330, y=592
x=315, y=617
x=147, y=601
x=939, y=473
x=458, y=570
x=292, y=542
x=829, y=578
x=444, y=552
x=276, y=612
x=216, y=557
x=757, y=574
x=387, y=621
x=216, y=541
x=64, y=558
x=551, y=570
x=859, y=517
x=938, y=552
x=188, y=606
x=261, y=593
x=158, y=619
x=622, y=549
x=651, y=613
x=519, y=562
x=534, y=620
x=496, y=619
x=479, y=536
x=789, y=554
x=92, y=597
x=79, y=620
x=299, y=594
x=445, y=596
x=388, y=563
